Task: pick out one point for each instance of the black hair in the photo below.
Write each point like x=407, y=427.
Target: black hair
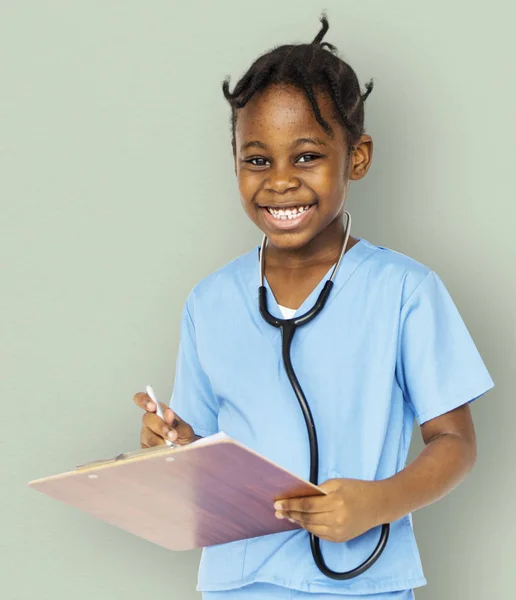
x=308, y=67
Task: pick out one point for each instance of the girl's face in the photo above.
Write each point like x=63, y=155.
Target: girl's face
x=293, y=178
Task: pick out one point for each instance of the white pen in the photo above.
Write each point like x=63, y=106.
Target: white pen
x=159, y=411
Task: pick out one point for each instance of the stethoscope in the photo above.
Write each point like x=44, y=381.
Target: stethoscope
x=288, y=328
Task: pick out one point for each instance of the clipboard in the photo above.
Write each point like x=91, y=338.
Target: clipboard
x=212, y=491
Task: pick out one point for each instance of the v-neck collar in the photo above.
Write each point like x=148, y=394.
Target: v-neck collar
x=272, y=303
x=350, y=262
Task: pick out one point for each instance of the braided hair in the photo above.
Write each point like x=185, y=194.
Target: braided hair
x=309, y=67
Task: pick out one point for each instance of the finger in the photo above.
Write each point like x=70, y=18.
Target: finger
x=143, y=401
x=149, y=439
x=322, y=531
x=305, y=519
x=307, y=504
x=158, y=426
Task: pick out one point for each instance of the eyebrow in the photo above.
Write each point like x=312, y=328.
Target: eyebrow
x=295, y=143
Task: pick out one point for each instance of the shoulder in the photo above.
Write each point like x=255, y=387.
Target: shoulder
x=394, y=267
x=225, y=282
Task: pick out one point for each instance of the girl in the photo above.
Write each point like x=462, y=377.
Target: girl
x=389, y=346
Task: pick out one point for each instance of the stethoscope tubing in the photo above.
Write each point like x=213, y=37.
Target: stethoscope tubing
x=288, y=328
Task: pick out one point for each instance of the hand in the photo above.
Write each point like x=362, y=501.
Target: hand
x=350, y=508
x=155, y=430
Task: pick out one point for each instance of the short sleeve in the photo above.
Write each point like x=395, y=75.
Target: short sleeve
x=438, y=365
x=193, y=399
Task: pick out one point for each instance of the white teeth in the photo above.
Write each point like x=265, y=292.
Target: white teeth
x=287, y=213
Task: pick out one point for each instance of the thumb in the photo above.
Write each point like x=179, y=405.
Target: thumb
x=170, y=417
x=329, y=486
x=185, y=433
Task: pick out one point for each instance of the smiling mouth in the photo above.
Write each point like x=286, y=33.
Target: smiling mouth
x=289, y=213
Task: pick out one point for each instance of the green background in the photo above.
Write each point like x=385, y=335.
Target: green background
x=118, y=194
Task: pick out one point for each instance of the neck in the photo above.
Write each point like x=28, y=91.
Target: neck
x=323, y=248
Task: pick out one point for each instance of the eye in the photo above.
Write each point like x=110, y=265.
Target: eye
x=250, y=160
x=308, y=154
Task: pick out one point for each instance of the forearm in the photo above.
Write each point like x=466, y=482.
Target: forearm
x=439, y=468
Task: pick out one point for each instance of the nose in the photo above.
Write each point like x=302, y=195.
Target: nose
x=281, y=181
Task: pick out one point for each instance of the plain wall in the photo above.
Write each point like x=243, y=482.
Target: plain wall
x=118, y=194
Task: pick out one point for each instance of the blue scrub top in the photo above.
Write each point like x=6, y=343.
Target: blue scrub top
x=389, y=346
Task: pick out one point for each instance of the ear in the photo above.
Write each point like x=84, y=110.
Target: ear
x=360, y=157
